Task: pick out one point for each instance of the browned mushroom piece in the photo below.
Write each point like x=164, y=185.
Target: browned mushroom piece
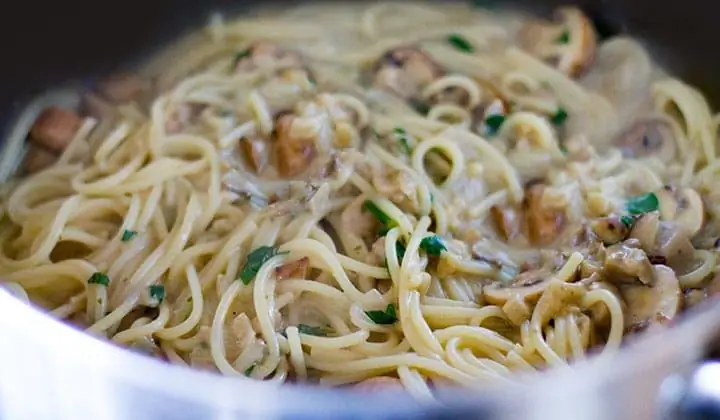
x=508, y=222
x=569, y=42
x=55, y=128
x=655, y=304
x=293, y=270
x=526, y=287
x=37, y=158
x=405, y=71
x=610, y=230
x=684, y=206
x=264, y=55
x=664, y=241
x=255, y=152
x=557, y=297
x=650, y=137
x=544, y=223
x=294, y=154
x=627, y=263
x=379, y=383
x=123, y=87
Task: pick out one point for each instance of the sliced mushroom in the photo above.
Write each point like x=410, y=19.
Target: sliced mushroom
x=37, y=158
x=293, y=270
x=55, y=128
x=527, y=287
x=569, y=42
x=673, y=244
x=398, y=186
x=651, y=137
x=557, y=297
x=626, y=262
x=645, y=230
x=405, y=71
x=610, y=230
x=294, y=154
x=684, y=206
x=255, y=151
x=266, y=55
x=651, y=305
x=123, y=87
x=508, y=222
x=379, y=383
x=543, y=222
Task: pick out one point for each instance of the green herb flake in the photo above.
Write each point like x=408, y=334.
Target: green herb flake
x=128, y=235
x=249, y=370
x=383, y=218
x=255, y=260
x=157, y=292
x=400, y=251
x=460, y=43
x=99, y=278
x=386, y=317
x=559, y=117
x=421, y=107
x=433, y=245
x=401, y=136
x=240, y=55
x=564, y=38
x=310, y=330
x=642, y=204
x=628, y=221
x=494, y=122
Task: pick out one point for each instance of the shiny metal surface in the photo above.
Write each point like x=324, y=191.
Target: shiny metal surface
x=51, y=371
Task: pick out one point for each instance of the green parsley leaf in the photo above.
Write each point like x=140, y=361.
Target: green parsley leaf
x=559, y=117
x=421, y=107
x=128, y=234
x=401, y=135
x=642, y=204
x=400, y=251
x=370, y=206
x=157, y=292
x=628, y=221
x=310, y=330
x=564, y=38
x=494, y=122
x=433, y=245
x=460, y=43
x=249, y=370
x=240, y=55
x=386, y=317
x=255, y=260
x=99, y=278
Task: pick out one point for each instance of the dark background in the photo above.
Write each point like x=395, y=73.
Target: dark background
x=47, y=42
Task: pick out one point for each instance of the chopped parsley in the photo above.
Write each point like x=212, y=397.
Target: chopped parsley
x=494, y=122
x=421, y=107
x=128, y=235
x=240, y=55
x=400, y=251
x=433, y=245
x=99, y=278
x=564, y=38
x=401, y=136
x=386, y=317
x=157, y=292
x=249, y=370
x=642, y=204
x=383, y=218
x=310, y=330
x=628, y=221
x=255, y=260
x=559, y=117
x=460, y=43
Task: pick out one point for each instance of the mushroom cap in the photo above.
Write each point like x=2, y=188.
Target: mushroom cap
x=405, y=71
x=684, y=206
x=656, y=304
x=648, y=137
